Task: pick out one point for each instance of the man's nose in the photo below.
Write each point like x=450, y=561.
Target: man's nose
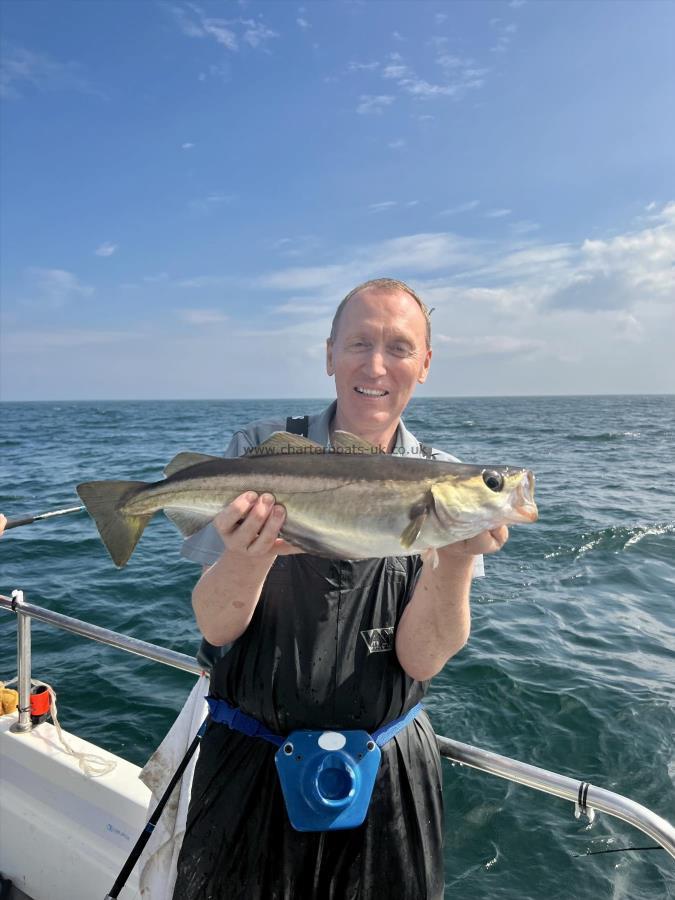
x=375, y=365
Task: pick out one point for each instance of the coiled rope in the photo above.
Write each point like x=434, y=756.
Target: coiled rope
x=91, y=764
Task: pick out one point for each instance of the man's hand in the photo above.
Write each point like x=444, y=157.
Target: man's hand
x=250, y=526
x=485, y=542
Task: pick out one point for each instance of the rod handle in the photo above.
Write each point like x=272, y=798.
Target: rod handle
x=15, y=523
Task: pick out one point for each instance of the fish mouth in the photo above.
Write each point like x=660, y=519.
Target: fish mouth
x=375, y=393
x=524, y=506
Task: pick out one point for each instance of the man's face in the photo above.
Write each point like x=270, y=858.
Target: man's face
x=378, y=356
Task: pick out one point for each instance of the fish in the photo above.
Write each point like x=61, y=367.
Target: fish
x=350, y=501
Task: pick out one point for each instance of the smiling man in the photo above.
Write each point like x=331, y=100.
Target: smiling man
x=327, y=645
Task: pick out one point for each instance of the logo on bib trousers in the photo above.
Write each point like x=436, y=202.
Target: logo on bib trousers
x=378, y=640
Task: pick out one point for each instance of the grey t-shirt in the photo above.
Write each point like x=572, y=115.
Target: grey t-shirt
x=206, y=546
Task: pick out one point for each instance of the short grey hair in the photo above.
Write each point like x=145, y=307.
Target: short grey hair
x=383, y=284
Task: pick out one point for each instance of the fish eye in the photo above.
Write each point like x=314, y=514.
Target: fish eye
x=493, y=480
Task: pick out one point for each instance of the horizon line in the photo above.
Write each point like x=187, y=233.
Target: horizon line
x=328, y=399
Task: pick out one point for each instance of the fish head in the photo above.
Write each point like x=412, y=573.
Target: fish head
x=485, y=498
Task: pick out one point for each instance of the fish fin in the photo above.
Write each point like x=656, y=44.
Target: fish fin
x=186, y=459
x=281, y=442
x=418, y=516
x=412, y=531
x=345, y=442
x=188, y=521
x=119, y=532
x=308, y=543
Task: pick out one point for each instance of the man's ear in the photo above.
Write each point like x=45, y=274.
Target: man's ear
x=424, y=370
x=330, y=367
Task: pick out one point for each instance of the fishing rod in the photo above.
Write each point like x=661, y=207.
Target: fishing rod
x=616, y=850
x=146, y=834
x=28, y=520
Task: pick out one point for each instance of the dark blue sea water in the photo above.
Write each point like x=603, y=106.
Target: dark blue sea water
x=570, y=665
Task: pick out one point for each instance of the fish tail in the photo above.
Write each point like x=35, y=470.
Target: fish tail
x=120, y=532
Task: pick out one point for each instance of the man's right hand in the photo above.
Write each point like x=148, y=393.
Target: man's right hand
x=250, y=526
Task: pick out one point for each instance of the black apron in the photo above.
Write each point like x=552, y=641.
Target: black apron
x=319, y=653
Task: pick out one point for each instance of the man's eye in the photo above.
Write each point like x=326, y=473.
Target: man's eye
x=400, y=349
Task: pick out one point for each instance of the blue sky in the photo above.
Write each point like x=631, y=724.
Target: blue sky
x=188, y=190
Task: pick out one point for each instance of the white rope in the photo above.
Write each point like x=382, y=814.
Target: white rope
x=91, y=764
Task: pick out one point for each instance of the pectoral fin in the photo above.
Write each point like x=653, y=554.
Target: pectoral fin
x=188, y=521
x=418, y=516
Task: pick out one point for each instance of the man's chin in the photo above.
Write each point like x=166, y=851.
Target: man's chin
x=378, y=412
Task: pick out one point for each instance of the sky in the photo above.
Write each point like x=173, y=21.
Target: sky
x=188, y=189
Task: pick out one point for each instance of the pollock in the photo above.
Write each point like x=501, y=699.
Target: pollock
x=349, y=502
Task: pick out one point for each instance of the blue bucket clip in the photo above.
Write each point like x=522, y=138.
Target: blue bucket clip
x=327, y=778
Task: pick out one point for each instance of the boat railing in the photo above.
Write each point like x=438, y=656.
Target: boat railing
x=587, y=798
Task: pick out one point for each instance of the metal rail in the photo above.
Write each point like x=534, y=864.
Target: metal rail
x=586, y=797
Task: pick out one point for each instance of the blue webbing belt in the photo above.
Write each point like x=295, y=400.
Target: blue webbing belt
x=226, y=714
x=326, y=777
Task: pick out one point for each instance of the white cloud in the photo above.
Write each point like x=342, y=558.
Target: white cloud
x=419, y=253
x=156, y=279
x=201, y=316
x=395, y=71
x=370, y=104
x=210, y=202
x=228, y=33
x=73, y=337
x=418, y=87
x=362, y=67
x=302, y=278
x=460, y=208
x=397, y=36
x=256, y=33
x=516, y=4
x=187, y=146
x=205, y=281
x=55, y=287
x=521, y=316
x=302, y=23
x=382, y=206
x=598, y=275
x=497, y=213
x=524, y=227
x=397, y=144
x=304, y=307
x=491, y=345
x=106, y=249
x=461, y=74
x=20, y=67
x=448, y=61
x=504, y=36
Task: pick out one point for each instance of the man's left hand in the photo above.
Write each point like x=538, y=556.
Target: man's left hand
x=485, y=542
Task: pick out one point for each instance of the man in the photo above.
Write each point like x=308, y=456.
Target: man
x=301, y=652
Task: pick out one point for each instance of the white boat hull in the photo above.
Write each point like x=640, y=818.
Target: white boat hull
x=64, y=835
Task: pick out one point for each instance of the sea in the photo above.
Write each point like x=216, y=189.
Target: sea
x=570, y=665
